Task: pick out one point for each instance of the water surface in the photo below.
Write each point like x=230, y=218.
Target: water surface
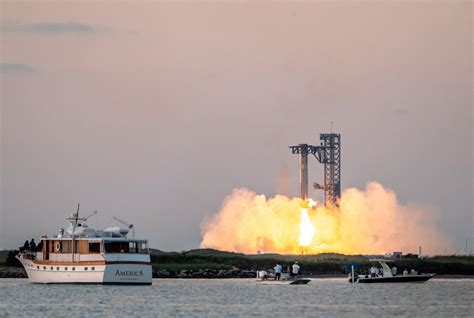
x=239, y=297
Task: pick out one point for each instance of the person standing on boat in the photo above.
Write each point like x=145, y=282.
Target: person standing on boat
x=278, y=268
x=26, y=246
x=295, y=269
x=394, y=271
x=32, y=245
x=372, y=271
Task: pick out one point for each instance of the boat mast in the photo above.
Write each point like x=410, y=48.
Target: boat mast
x=74, y=231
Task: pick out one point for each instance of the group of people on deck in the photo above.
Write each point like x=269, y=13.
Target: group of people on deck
x=293, y=270
x=31, y=246
x=376, y=272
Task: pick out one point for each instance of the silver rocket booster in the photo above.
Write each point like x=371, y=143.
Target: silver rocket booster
x=303, y=165
x=303, y=150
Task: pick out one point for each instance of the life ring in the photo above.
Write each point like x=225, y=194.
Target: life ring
x=57, y=247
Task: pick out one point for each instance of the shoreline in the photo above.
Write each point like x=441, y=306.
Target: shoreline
x=12, y=272
x=19, y=272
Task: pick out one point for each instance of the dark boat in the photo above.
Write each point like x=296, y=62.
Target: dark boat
x=396, y=279
x=388, y=277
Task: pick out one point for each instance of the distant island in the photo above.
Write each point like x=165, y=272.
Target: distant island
x=209, y=263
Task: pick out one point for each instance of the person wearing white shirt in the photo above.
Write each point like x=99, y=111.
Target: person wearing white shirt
x=278, y=268
x=295, y=269
x=262, y=275
x=394, y=271
x=372, y=271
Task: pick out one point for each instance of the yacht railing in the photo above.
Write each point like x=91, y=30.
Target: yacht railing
x=28, y=255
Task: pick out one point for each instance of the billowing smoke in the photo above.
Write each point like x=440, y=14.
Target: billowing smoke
x=367, y=222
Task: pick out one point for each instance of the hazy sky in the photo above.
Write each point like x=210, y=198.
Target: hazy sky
x=153, y=111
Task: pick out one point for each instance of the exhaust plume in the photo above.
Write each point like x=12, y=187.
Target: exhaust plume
x=367, y=222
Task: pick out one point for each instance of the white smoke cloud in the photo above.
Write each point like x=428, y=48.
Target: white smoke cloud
x=368, y=222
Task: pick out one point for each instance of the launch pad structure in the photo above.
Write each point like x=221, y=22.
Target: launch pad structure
x=329, y=154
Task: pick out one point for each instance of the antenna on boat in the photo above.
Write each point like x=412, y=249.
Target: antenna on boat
x=129, y=226
x=77, y=212
x=93, y=213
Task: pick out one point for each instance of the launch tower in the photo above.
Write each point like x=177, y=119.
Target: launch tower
x=329, y=154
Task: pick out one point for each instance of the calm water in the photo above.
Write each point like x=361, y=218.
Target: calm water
x=239, y=297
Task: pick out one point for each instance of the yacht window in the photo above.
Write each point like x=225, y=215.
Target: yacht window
x=37, y=267
x=57, y=268
x=44, y=267
x=94, y=247
x=85, y=268
x=51, y=267
x=92, y=268
x=65, y=268
x=116, y=247
x=143, y=248
x=73, y=268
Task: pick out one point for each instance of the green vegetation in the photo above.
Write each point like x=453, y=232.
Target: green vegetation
x=202, y=259
x=209, y=259
x=197, y=260
x=7, y=258
x=3, y=257
x=213, y=259
x=441, y=265
x=453, y=259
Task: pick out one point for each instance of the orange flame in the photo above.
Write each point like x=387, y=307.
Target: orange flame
x=367, y=222
x=306, y=229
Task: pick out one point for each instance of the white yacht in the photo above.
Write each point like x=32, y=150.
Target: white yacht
x=85, y=255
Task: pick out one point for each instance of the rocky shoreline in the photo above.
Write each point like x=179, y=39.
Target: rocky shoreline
x=19, y=272
x=12, y=272
x=234, y=272
x=206, y=273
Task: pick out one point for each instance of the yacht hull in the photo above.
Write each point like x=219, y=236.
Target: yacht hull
x=127, y=273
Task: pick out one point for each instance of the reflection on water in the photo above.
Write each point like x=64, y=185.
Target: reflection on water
x=238, y=297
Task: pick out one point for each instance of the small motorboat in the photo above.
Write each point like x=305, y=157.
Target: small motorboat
x=285, y=279
x=271, y=281
x=396, y=279
x=388, y=277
